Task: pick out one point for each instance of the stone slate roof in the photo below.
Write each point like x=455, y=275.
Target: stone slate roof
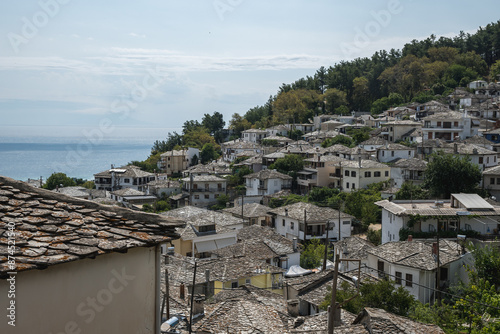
x=165, y=184
x=241, y=144
x=365, y=163
x=52, y=228
x=268, y=174
x=181, y=269
x=174, y=153
x=413, y=164
x=249, y=210
x=128, y=171
x=306, y=282
x=492, y=170
x=74, y=191
x=314, y=213
x=417, y=254
x=199, y=217
x=211, y=168
x=447, y=115
x=255, y=249
x=428, y=208
x=278, y=243
x=405, y=122
x=476, y=140
x=383, y=322
x=128, y=192
x=318, y=323
x=356, y=247
x=204, y=178
x=395, y=147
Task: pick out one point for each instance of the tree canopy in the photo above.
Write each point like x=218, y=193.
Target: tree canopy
x=450, y=173
x=57, y=180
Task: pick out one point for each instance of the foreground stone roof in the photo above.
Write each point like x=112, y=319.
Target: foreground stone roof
x=314, y=213
x=51, y=228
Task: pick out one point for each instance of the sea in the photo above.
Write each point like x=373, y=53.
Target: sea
x=34, y=156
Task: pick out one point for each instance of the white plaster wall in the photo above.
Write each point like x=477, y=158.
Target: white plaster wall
x=391, y=224
x=59, y=299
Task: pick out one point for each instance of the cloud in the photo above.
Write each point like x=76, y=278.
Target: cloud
x=133, y=34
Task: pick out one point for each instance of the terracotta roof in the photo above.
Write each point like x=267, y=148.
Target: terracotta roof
x=51, y=228
x=314, y=213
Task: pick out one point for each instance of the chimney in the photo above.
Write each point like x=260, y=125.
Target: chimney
x=294, y=243
x=410, y=238
x=434, y=248
x=182, y=291
x=293, y=307
x=198, y=305
x=286, y=212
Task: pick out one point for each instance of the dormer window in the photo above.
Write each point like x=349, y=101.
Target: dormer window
x=206, y=228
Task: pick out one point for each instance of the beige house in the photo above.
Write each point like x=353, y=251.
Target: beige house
x=398, y=130
x=176, y=161
x=78, y=265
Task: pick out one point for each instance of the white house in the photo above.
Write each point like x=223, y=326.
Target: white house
x=203, y=190
x=390, y=152
x=253, y=135
x=124, y=177
x=408, y=170
x=462, y=213
x=306, y=221
x=450, y=126
x=413, y=265
x=267, y=182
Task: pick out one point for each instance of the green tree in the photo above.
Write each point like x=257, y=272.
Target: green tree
x=313, y=254
x=495, y=71
x=239, y=124
x=334, y=99
x=338, y=139
x=448, y=173
x=208, y=153
x=361, y=93
x=374, y=236
x=381, y=294
x=213, y=123
x=290, y=164
x=148, y=165
x=221, y=203
x=160, y=146
x=411, y=191
x=89, y=185
x=57, y=180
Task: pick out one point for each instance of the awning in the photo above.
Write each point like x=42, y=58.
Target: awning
x=205, y=246
x=225, y=242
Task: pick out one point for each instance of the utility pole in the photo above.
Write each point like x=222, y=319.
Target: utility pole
x=305, y=226
x=438, y=270
x=167, y=293
x=333, y=302
x=326, y=245
x=192, y=299
x=340, y=235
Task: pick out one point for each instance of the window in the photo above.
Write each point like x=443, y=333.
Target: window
x=399, y=275
x=196, y=196
x=443, y=274
x=292, y=225
x=376, y=174
x=392, y=153
x=492, y=180
x=248, y=281
x=207, y=196
x=409, y=280
x=455, y=124
x=207, y=187
x=283, y=222
x=346, y=222
x=439, y=124
x=301, y=227
x=487, y=160
x=353, y=174
x=346, y=173
x=368, y=174
x=219, y=186
x=195, y=186
x=498, y=180
x=234, y=285
x=354, y=185
x=480, y=160
x=386, y=173
x=383, y=153
x=126, y=180
x=347, y=185
x=409, y=153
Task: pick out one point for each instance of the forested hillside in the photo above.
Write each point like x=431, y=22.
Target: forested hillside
x=421, y=71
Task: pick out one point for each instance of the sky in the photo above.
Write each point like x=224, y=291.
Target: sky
x=74, y=67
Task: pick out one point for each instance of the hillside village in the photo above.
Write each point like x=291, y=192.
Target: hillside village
x=253, y=230
x=248, y=253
